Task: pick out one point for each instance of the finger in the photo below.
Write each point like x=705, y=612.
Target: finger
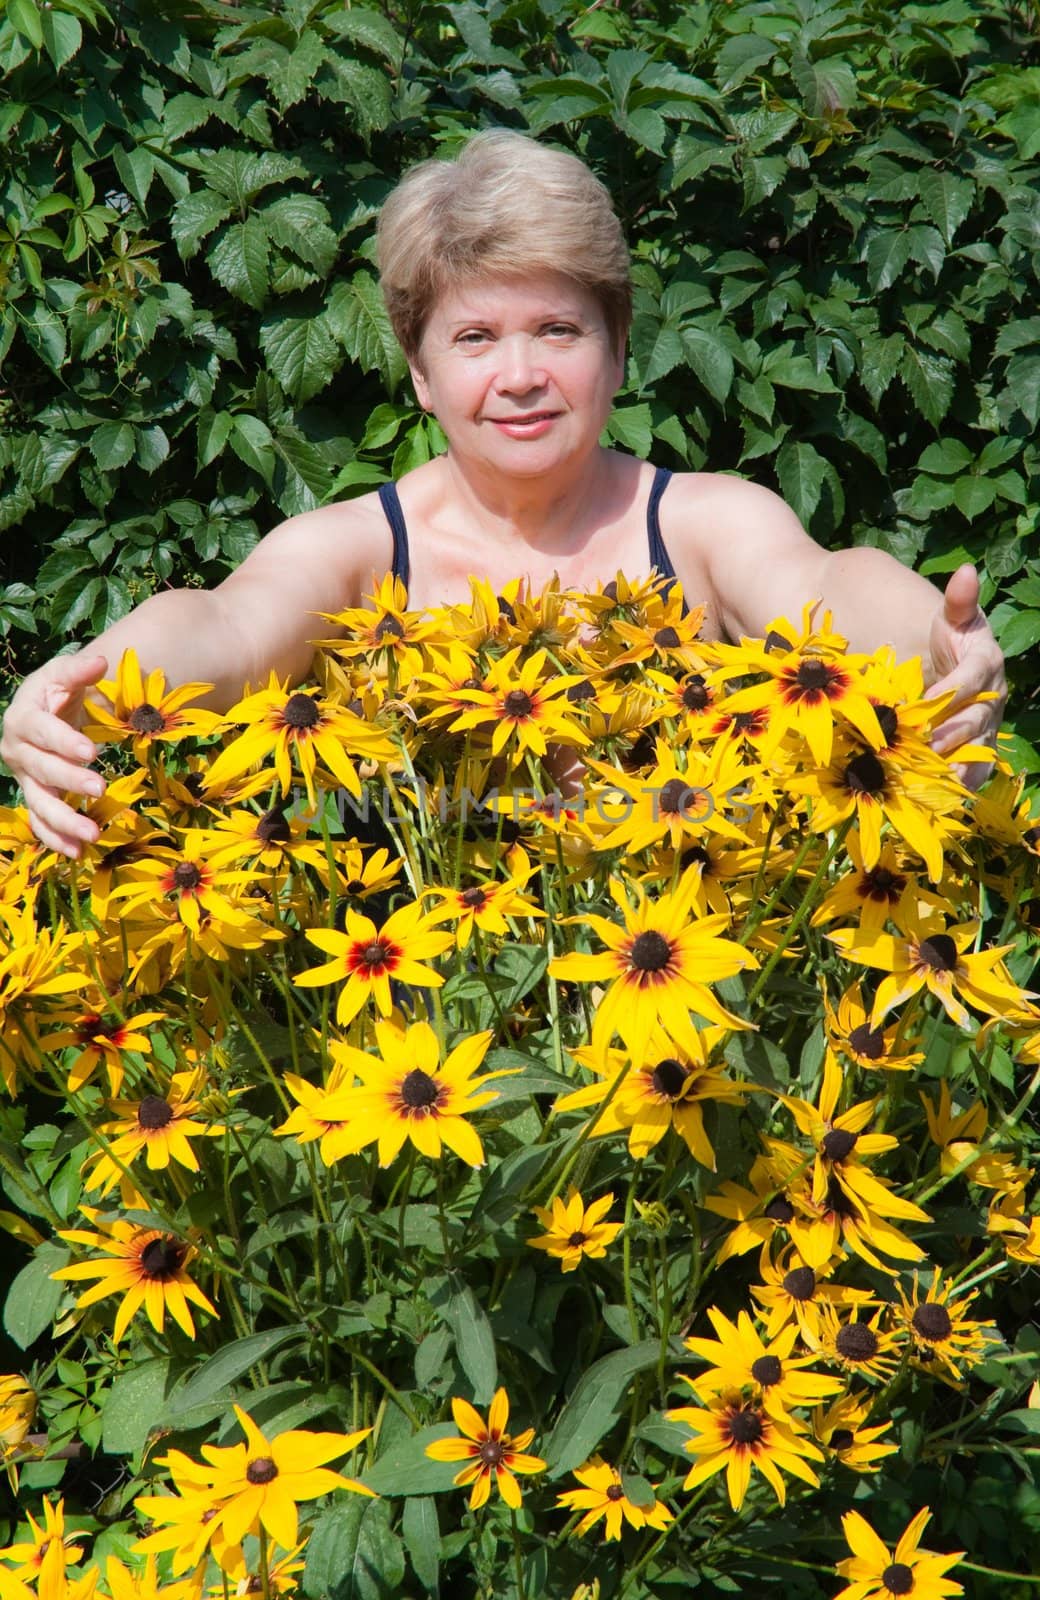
x=60, y=842
x=48, y=808
x=46, y=732
x=971, y=676
x=52, y=772
x=961, y=600
x=963, y=730
x=974, y=775
x=76, y=672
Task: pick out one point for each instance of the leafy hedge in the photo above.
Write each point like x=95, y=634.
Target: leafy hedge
x=835, y=212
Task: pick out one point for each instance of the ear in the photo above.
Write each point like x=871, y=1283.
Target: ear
x=419, y=384
x=620, y=355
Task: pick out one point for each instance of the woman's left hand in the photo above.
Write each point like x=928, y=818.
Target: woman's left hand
x=967, y=659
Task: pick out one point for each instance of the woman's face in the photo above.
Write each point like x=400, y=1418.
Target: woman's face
x=520, y=373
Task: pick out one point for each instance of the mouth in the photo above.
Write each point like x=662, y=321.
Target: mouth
x=530, y=420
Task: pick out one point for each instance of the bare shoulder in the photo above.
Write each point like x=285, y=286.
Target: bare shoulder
x=701, y=502
x=328, y=556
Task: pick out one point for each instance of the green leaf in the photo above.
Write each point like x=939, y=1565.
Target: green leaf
x=300, y=352
x=112, y=445
x=973, y=496
x=34, y=1296
x=153, y=447
x=238, y=260
x=1018, y=334
x=1021, y=633
x=405, y=1470
x=369, y=28
x=632, y=427
x=887, y=254
x=62, y=35
x=594, y=1406
x=291, y=78
x=194, y=217
x=946, y=457
x=710, y=360
x=300, y=223
x=213, y=429
x=307, y=462
x=357, y=316
x=741, y=56
x=26, y=20
x=800, y=470
x=930, y=382
x=365, y=90
x=1023, y=379
x=422, y=1537
x=826, y=86
x=133, y=1406
x=947, y=199
x=218, y=1374
x=253, y=443
x=354, y=1554
x=656, y=346
x=474, y=1341
x=926, y=247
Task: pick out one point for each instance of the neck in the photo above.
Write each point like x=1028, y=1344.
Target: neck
x=552, y=513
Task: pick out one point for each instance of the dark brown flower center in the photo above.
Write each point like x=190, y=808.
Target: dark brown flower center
x=898, y=1578
x=857, y=1342
x=146, y=719
x=837, y=1143
x=162, y=1258
x=419, y=1091
x=517, y=704
x=650, y=952
x=505, y=609
x=355, y=886
x=749, y=721
x=838, y=1201
x=867, y=1041
x=669, y=1077
x=931, y=1321
x=666, y=639
x=767, y=1370
x=579, y=692
x=154, y=1112
x=388, y=628
x=474, y=898
x=779, y=1210
x=491, y=1452
x=880, y=884
x=694, y=853
x=800, y=1283
x=841, y=1438
x=261, y=1470
x=273, y=827
x=576, y=1240
x=610, y=590
x=889, y=722
x=186, y=876
x=939, y=952
x=695, y=694
x=300, y=711
x=864, y=774
x=746, y=1426
x=615, y=1492
x=373, y=955
x=674, y=797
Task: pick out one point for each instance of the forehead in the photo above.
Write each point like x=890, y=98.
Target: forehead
x=544, y=294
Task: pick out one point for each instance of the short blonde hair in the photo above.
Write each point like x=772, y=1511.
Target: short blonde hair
x=506, y=206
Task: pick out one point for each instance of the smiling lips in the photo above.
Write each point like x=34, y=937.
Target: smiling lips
x=534, y=422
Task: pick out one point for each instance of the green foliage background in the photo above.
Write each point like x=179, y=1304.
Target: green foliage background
x=835, y=212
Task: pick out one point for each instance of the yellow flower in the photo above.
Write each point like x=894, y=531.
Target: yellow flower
x=313, y=1119
x=147, y=1268
x=958, y=1138
x=659, y=966
x=603, y=1495
x=733, y=1435
x=859, y=1347
x=142, y=712
x=876, y=1573
x=408, y=1092
x=849, y=1032
x=368, y=957
x=487, y=905
x=795, y=1292
x=941, y=1335
x=740, y=1360
x=104, y=1039
x=1019, y=1230
x=126, y=1583
x=160, y=1126
x=17, y=1409
x=575, y=1230
x=839, y=1428
x=806, y=688
x=490, y=1452
x=521, y=708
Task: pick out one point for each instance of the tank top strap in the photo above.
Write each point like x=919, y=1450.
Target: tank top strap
x=659, y=557
x=391, y=503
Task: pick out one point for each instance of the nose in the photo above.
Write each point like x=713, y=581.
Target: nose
x=520, y=367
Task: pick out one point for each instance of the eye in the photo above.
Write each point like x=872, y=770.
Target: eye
x=472, y=338
x=561, y=330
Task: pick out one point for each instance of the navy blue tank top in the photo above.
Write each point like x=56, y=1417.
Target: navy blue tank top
x=659, y=557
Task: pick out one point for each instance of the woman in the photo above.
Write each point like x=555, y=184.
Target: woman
x=507, y=282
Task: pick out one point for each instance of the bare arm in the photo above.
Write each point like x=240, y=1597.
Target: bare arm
x=260, y=618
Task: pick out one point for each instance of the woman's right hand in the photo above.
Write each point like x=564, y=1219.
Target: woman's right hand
x=48, y=754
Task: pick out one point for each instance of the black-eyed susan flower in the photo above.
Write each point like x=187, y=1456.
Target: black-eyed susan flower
x=104, y=1039
x=846, y=1216
x=959, y=1137
x=367, y=957
x=887, y=891
x=1016, y=1228
x=384, y=634
x=408, y=1093
x=313, y=1119
x=662, y=632
x=43, y=1557
x=858, y=1343
x=805, y=689
x=759, y=1213
x=602, y=1496
x=141, y=711
x=943, y=1338
x=841, y=1428
x=849, y=1032
x=793, y=1292
x=877, y=1573
x=261, y=1481
x=185, y=882
x=146, y=1266
x=142, y=1582
x=35, y=964
x=670, y=804
x=935, y=956
x=733, y=1434
x=522, y=706
x=487, y=905
x=297, y=729
x=669, y=1090
x=158, y=1126
x=841, y=1140
x=17, y=1409
x=740, y=1359
x=658, y=966
x=575, y=1231
x=490, y=1453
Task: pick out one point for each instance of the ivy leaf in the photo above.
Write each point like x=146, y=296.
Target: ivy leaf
x=196, y=216
x=930, y=382
x=357, y=316
x=973, y=496
x=656, y=346
x=946, y=198
x=369, y=28
x=887, y=254
x=238, y=260
x=741, y=56
x=710, y=360
x=290, y=80
x=112, y=445
x=300, y=352
x=62, y=35
x=826, y=86
x=801, y=471
x=1023, y=380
